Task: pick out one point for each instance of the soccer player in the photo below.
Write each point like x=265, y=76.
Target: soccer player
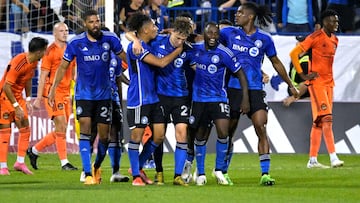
x=320, y=80
x=143, y=107
x=173, y=92
x=209, y=100
x=18, y=77
x=61, y=111
x=92, y=50
x=250, y=45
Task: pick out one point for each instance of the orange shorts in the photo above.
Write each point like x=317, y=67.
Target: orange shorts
x=321, y=98
x=62, y=106
x=7, y=110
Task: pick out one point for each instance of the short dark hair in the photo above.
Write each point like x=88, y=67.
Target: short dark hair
x=327, y=13
x=225, y=22
x=38, y=44
x=89, y=13
x=137, y=21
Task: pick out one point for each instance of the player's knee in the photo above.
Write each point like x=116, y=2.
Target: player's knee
x=327, y=118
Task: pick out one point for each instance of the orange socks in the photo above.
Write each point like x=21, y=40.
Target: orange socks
x=61, y=145
x=48, y=140
x=23, y=142
x=328, y=133
x=315, y=140
x=4, y=143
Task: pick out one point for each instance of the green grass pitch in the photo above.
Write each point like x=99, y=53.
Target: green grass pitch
x=294, y=182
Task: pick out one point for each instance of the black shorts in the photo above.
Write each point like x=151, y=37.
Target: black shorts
x=203, y=113
x=142, y=116
x=100, y=111
x=176, y=109
x=256, y=98
x=117, y=115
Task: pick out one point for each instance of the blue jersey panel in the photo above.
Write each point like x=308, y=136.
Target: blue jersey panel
x=211, y=65
x=250, y=52
x=142, y=88
x=171, y=80
x=115, y=72
x=93, y=61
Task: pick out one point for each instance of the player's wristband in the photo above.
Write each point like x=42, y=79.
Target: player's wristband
x=15, y=104
x=28, y=98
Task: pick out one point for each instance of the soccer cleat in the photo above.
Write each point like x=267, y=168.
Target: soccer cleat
x=138, y=182
x=266, y=180
x=316, y=165
x=186, y=174
x=96, y=174
x=159, y=178
x=89, y=180
x=179, y=181
x=33, y=158
x=337, y=163
x=221, y=180
x=4, y=172
x=145, y=178
x=117, y=177
x=23, y=168
x=82, y=176
x=201, y=180
x=226, y=176
x=69, y=167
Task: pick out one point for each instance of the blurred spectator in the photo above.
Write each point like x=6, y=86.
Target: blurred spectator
x=100, y=8
x=2, y=14
x=346, y=11
x=20, y=10
x=131, y=8
x=42, y=18
x=297, y=15
x=68, y=11
x=158, y=13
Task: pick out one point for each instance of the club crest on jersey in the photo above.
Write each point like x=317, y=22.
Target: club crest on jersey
x=6, y=116
x=183, y=55
x=113, y=62
x=178, y=62
x=215, y=59
x=144, y=120
x=258, y=43
x=254, y=51
x=106, y=46
x=323, y=107
x=191, y=119
x=79, y=110
x=60, y=106
x=105, y=56
x=212, y=68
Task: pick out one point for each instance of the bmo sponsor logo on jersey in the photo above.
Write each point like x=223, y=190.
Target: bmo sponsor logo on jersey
x=92, y=58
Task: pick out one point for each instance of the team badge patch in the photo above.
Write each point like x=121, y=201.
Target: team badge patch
x=144, y=120
x=79, y=110
x=323, y=107
x=60, y=106
x=6, y=116
x=215, y=59
x=191, y=119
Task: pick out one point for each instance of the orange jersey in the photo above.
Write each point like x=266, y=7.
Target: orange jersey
x=50, y=62
x=323, y=50
x=18, y=73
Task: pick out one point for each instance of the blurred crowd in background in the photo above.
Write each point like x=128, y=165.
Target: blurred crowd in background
x=289, y=16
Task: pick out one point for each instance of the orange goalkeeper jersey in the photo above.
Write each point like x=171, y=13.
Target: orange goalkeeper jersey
x=323, y=50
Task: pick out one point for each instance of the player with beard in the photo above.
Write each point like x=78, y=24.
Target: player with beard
x=211, y=61
x=250, y=45
x=92, y=50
